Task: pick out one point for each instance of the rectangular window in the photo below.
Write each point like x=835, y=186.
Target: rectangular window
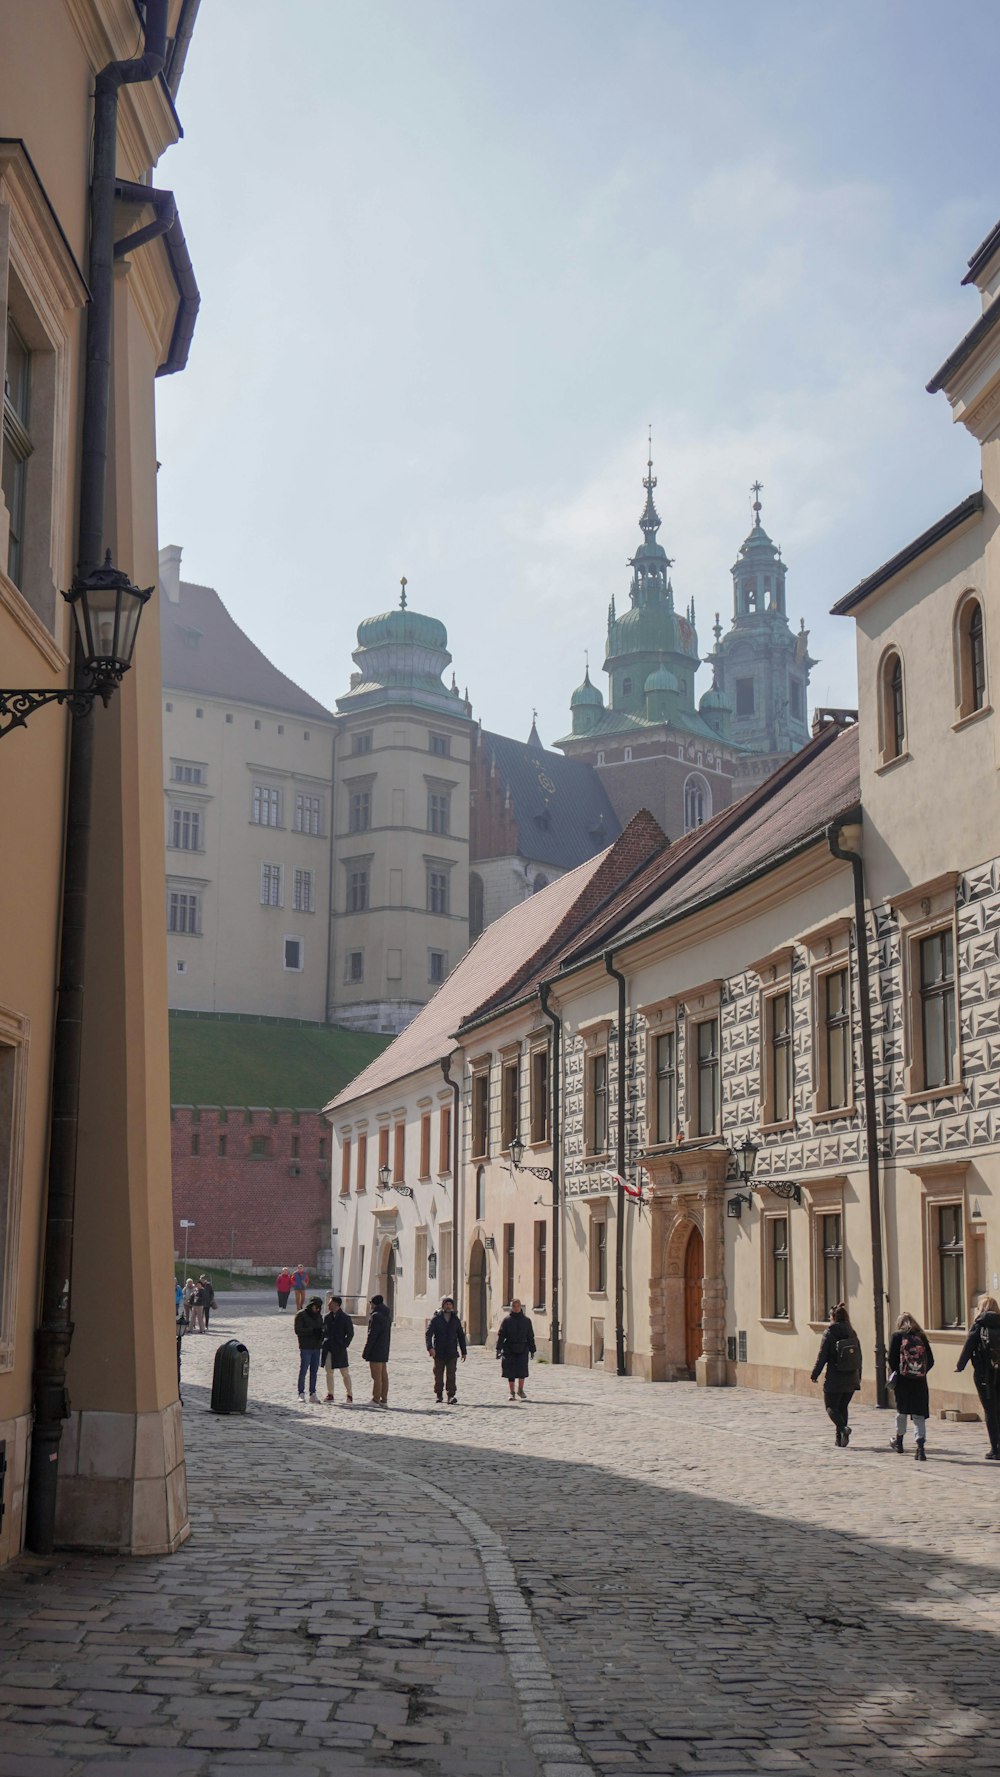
x=597, y=1068
x=270, y=885
x=188, y=774
x=295, y=1147
x=17, y=445
x=539, y=1083
x=480, y=1113
x=361, y=743
x=294, y=954
x=837, y=1038
x=707, y=1054
x=420, y=1262
x=541, y=1278
x=446, y=1259
x=361, y=1175
x=444, y=1139
x=357, y=889
x=937, y=1009
x=383, y=1147
x=951, y=1264
x=437, y=966
x=425, y=1145
x=830, y=1253
x=183, y=912
x=744, y=697
x=777, y=1263
x=266, y=806
x=438, y=811
x=308, y=813
x=437, y=891
x=508, y=1263
x=302, y=892
x=196, y=1143
x=665, y=1121
x=354, y=966
x=509, y=1087
x=345, y=1167
x=778, y=1017
x=185, y=829
x=795, y=709
x=222, y=1147
x=480, y=1193
x=361, y=811
x=598, y=1256
x=440, y=745
x=398, y=1153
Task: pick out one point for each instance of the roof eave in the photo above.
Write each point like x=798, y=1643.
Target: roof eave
x=967, y=511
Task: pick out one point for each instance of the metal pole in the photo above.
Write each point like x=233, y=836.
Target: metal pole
x=187, y=1236
x=616, y=975
x=232, y=1252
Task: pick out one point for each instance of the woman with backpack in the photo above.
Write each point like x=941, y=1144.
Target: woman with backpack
x=840, y=1357
x=910, y=1358
x=983, y=1348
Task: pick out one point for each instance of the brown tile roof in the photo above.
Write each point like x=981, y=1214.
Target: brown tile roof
x=204, y=651
x=517, y=943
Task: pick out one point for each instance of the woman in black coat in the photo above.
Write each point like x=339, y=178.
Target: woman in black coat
x=910, y=1358
x=515, y=1348
x=839, y=1363
x=338, y=1331
x=981, y=1347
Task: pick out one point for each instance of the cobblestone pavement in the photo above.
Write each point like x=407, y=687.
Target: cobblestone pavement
x=611, y=1578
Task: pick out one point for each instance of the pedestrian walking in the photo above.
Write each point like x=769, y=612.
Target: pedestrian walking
x=515, y=1349
x=840, y=1357
x=446, y=1342
x=376, y=1351
x=300, y=1283
x=338, y=1331
x=189, y=1292
x=309, y=1333
x=198, y=1308
x=208, y=1295
x=910, y=1358
x=283, y=1285
x=982, y=1347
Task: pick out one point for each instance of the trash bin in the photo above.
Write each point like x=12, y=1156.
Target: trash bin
x=230, y=1378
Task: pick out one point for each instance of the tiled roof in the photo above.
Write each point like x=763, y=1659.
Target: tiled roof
x=563, y=813
x=205, y=652
x=508, y=948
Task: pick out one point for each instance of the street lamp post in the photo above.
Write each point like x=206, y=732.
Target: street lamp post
x=745, y=1157
x=106, y=608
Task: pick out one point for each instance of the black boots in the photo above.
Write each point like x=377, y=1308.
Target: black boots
x=920, y=1454
x=896, y=1443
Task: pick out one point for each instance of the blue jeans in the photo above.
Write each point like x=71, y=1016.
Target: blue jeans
x=308, y=1361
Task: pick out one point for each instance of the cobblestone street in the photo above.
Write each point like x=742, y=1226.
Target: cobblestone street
x=613, y=1577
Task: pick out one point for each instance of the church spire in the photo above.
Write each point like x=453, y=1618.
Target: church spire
x=649, y=523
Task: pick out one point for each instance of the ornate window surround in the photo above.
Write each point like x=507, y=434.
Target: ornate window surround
x=774, y=972
x=829, y=950
x=920, y=912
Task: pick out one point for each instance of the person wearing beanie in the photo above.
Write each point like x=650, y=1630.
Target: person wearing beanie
x=376, y=1351
x=309, y=1333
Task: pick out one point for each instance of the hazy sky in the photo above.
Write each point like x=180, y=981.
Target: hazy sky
x=455, y=255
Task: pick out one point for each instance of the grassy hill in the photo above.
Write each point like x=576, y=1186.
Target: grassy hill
x=220, y=1060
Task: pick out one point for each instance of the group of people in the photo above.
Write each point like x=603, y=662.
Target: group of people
x=193, y=1304
x=324, y=1336
x=287, y=1281
x=911, y=1359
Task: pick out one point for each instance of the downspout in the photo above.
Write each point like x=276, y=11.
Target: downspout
x=556, y=1122
x=456, y=1090
x=616, y=975
x=853, y=856
x=55, y=1330
x=167, y=223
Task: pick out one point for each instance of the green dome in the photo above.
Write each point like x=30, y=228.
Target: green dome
x=652, y=629
x=406, y=627
x=586, y=694
x=661, y=680
x=715, y=699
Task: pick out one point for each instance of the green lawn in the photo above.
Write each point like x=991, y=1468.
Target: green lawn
x=237, y=1062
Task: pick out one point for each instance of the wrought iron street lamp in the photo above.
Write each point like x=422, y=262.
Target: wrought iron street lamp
x=515, y=1153
x=385, y=1181
x=106, y=609
x=745, y=1158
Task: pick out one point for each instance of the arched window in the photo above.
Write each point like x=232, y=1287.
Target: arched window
x=480, y=1193
x=540, y=882
x=971, y=643
x=475, y=904
x=697, y=802
x=600, y=758
x=628, y=754
x=626, y=687
x=893, y=711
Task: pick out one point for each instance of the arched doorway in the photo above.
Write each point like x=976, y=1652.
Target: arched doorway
x=694, y=1279
x=478, y=1312
x=387, y=1277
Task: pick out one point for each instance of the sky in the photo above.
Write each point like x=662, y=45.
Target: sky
x=456, y=256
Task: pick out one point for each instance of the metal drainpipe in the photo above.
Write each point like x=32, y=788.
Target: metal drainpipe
x=55, y=1330
x=556, y=1023
x=856, y=862
x=616, y=975
x=456, y=1090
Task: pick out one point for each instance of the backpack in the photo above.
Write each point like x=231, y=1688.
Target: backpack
x=847, y=1356
x=912, y=1356
x=989, y=1343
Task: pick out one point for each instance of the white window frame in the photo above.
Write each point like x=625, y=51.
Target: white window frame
x=303, y=891
x=265, y=805
x=293, y=968
x=271, y=885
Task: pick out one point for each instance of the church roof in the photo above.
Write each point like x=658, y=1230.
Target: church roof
x=561, y=808
x=611, y=722
x=204, y=651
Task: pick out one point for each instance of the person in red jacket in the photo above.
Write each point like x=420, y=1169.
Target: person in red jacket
x=284, y=1286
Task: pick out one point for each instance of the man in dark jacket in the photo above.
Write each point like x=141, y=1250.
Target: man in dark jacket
x=840, y=1356
x=445, y=1340
x=338, y=1331
x=376, y=1351
x=515, y=1347
x=309, y=1333
x=208, y=1292
x=983, y=1347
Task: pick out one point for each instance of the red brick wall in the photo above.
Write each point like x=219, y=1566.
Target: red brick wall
x=278, y=1218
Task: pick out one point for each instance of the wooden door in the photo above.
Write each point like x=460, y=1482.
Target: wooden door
x=477, y=1294
x=694, y=1266
x=390, y=1284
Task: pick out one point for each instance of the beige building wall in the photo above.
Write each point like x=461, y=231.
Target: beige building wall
x=121, y=1483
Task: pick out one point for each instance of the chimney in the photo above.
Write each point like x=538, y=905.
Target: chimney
x=170, y=572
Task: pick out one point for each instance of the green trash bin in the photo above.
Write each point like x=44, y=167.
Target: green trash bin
x=231, y=1378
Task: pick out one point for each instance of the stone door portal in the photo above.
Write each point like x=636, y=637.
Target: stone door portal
x=694, y=1278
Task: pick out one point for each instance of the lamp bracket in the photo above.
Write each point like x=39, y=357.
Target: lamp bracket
x=403, y=1190
x=17, y=706
x=542, y=1172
